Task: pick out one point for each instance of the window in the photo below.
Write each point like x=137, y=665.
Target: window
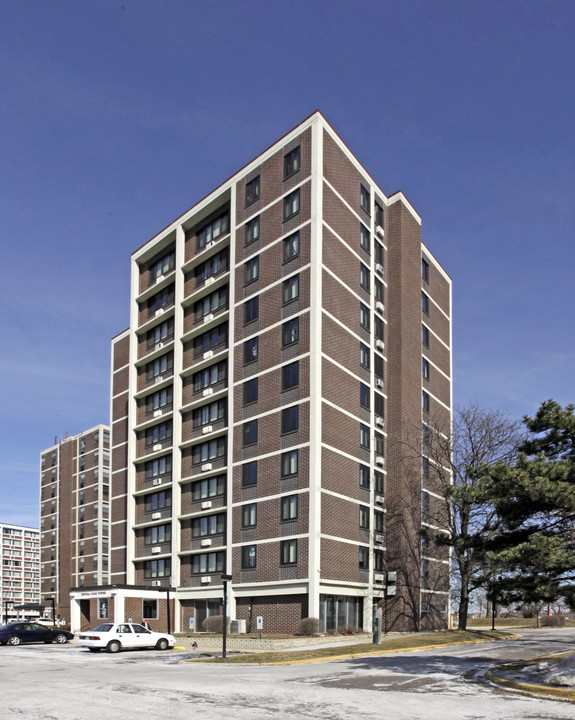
x=364, y=316
x=425, y=335
x=364, y=436
x=291, y=247
x=250, y=433
x=378, y=521
x=291, y=162
x=364, y=199
x=364, y=237
x=290, y=419
x=212, y=266
x=209, y=488
x=288, y=552
x=379, y=444
x=250, y=391
x=209, y=525
x=249, y=473
x=364, y=517
x=364, y=396
x=252, y=190
x=364, y=277
x=378, y=405
x=289, y=463
x=379, y=329
x=211, y=303
x=159, y=400
x=210, y=376
x=249, y=515
x=213, y=562
x=160, y=333
x=364, y=476
x=379, y=291
x=425, y=270
x=157, y=568
x=251, y=310
x=158, y=467
x=363, y=558
x=378, y=480
x=212, y=450
x=252, y=230
x=290, y=332
x=290, y=289
x=425, y=402
x=425, y=435
x=378, y=214
x=291, y=204
x=102, y=608
x=250, y=350
x=425, y=502
x=290, y=375
x=378, y=560
x=425, y=368
x=208, y=414
x=289, y=508
x=159, y=433
x=160, y=300
x=162, y=266
x=150, y=609
x=248, y=557
x=159, y=366
x=158, y=501
x=213, y=231
x=364, y=355
x=379, y=253
x=157, y=534
x=251, y=270
x=425, y=303
x=425, y=467
x=210, y=340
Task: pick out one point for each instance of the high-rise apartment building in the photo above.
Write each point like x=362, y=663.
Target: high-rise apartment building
x=19, y=572
x=290, y=335
x=74, y=515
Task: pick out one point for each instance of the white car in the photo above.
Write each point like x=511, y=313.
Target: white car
x=114, y=637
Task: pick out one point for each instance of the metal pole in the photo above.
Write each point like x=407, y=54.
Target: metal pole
x=225, y=618
x=168, y=601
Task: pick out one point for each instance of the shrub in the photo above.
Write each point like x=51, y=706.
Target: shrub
x=553, y=621
x=214, y=624
x=309, y=626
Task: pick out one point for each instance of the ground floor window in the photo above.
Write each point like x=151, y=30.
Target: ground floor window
x=103, y=609
x=150, y=609
x=338, y=611
x=204, y=609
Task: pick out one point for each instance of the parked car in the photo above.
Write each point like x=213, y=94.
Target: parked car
x=16, y=633
x=123, y=636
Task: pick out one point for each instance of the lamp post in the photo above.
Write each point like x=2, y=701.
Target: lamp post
x=225, y=580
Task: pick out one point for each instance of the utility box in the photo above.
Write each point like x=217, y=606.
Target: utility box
x=237, y=627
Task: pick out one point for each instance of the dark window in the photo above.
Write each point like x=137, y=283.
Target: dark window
x=211, y=267
x=378, y=405
x=291, y=247
x=157, y=534
x=251, y=310
x=249, y=515
x=249, y=473
x=425, y=303
x=288, y=552
x=379, y=444
x=379, y=253
x=207, y=414
x=211, y=450
x=425, y=467
x=290, y=375
x=425, y=368
x=425, y=335
x=161, y=300
x=158, y=501
x=364, y=355
x=364, y=517
x=157, y=568
x=159, y=400
x=252, y=230
x=364, y=396
x=378, y=480
x=209, y=525
x=364, y=476
x=208, y=563
x=378, y=560
x=291, y=162
x=251, y=270
x=425, y=270
x=250, y=432
x=291, y=204
x=290, y=332
x=289, y=461
x=159, y=433
x=379, y=291
x=364, y=277
x=364, y=199
x=379, y=329
x=290, y=419
x=364, y=316
x=378, y=366
x=210, y=376
x=214, y=230
x=160, y=333
x=290, y=289
x=159, y=466
x=364, y=237
x=289, y=507
x=250, y=350
x=363, y=558
x=159, y=366
x=211, y=303
x=425, y=402
x=378, y=521
x=252, y=190
x=250, y=391
x=209, y=488
x=211, y=339
x=364, y=436
x=162, y=266
x=378, y=214
x=248, y=557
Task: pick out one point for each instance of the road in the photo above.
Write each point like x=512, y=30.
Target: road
x=69, y=683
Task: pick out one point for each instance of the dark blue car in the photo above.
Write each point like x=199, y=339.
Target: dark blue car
x=17, y=633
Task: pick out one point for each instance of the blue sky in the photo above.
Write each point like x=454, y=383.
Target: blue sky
x=116, y=117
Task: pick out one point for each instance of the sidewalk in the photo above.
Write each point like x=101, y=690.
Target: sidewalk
x=515, y=675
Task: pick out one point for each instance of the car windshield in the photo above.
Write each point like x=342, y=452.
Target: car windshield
x=105, y=627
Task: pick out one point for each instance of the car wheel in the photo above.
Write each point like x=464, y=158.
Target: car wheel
x=162, y=644
x=14, y=640
x=94, y=649
x=114, y=647
x=61, y=639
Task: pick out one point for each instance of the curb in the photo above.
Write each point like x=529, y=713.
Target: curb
x=544, y=691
